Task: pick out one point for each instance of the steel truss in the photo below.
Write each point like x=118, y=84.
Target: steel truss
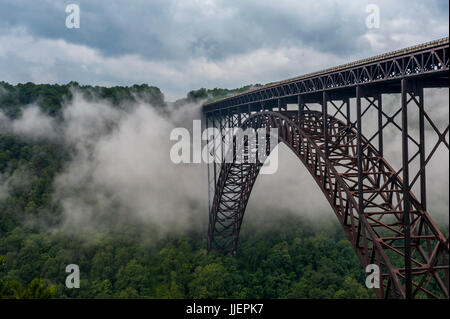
x=386, y=223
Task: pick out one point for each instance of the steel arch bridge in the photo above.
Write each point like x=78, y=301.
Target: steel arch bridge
x=382, y=210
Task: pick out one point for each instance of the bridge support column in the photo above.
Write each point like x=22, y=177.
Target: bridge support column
x=359, y=150
x=423, y=187
x=325, y=121
x=347, y=111
x=412, y=93
x=379, y=106
x=301, y=110
x=406, y=199
x=210, y=121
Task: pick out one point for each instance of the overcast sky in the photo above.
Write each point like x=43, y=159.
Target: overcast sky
x=180, y=45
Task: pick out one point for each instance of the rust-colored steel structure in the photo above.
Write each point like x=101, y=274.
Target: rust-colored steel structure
x=342, y=144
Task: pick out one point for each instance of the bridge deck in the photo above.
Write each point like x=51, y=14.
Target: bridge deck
x=426, y=59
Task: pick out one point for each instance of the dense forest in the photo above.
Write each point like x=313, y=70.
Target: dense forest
x=286, y=259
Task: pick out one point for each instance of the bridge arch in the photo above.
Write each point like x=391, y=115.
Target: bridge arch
x=367, y=201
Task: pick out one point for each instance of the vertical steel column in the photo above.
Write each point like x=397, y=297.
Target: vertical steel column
x=222, y=125
x=380, y=124
x=301, y=109
x=208, y=175
x=349, y=122
x=325, y=121
x=406, y=200
x=325, y=134
x=211, y=215
x=235, y=234
x=214, y=152
x=347, y=107
x=379, y=105
x=239, y=213
x=359, y=148
x=239, y=118
x=423, y=186
x=208, y=165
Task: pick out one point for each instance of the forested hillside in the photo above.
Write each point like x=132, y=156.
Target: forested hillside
x=287, y=258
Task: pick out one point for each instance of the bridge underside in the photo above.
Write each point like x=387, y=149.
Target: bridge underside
x=382, y=210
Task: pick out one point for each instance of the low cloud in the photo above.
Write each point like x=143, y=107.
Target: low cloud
x=32, y=123
x=121, y=170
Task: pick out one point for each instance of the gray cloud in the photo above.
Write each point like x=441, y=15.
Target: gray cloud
x=121, y=171
x=214, y=29
x=203, y=40
x=32, y=123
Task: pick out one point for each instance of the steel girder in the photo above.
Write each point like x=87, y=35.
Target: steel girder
x=426, y=61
